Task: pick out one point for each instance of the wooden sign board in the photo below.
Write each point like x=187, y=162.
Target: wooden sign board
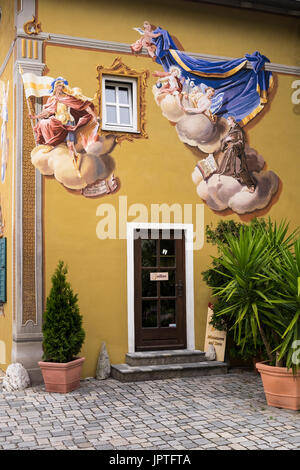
x=159, y=276
x=215, y=337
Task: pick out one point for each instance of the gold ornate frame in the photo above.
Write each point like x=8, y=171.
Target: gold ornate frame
x=118, y=68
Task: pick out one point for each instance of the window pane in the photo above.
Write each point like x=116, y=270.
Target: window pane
x=149, y=313
x=111, y=114
x=167, y=253
x=168, y=313
x=148, y=253
x=124, y=115
x=167, y=288
x=149, y=288
x=123, y=95
x=110, y=94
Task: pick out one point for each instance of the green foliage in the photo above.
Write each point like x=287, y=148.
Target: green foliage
x=62, y=327
x=256, y=279
x=286, y=299
x=214, y=277
x=218, y=235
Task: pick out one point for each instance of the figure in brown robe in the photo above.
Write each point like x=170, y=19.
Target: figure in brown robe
x=233, y=147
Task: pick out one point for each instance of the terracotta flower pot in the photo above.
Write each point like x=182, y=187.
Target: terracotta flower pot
x=282, y=388
x=62, y=377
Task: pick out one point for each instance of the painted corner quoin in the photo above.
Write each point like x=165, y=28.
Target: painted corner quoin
x=210, y=103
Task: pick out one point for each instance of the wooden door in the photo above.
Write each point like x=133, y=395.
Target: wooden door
x=160, y=317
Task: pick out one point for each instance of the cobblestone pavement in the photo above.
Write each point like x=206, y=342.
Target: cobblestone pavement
x=215, y=412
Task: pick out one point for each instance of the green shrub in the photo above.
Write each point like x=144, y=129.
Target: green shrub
x=62, y=327
x=256, y=279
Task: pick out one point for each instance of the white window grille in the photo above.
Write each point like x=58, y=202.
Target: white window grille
x=119, y=104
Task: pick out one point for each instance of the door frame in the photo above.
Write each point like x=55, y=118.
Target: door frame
x=189, y=278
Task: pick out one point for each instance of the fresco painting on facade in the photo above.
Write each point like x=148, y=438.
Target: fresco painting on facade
x=209, y=102
x=4, y=89
x=66, y=135
x=147, y=34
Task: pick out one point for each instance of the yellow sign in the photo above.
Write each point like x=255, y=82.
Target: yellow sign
x=159, y=276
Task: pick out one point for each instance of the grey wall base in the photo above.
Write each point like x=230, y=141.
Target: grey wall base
x=36, y=377
x=29, y=353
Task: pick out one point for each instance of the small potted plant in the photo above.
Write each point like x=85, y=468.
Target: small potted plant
x=63, y=336
x=256, y=279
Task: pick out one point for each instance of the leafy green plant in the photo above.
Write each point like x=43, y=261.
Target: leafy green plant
x=62, y=327
x=286, y=299
x=256, y=280
x=214, y=277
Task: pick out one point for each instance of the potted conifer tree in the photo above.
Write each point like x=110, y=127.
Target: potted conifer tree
x=63, y=336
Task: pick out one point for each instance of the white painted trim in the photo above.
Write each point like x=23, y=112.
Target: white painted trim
x=189, y=274
x=111, y=46
x=10, y=51
x=131, y=84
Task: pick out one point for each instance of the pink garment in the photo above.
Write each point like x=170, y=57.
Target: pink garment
x=51, y=131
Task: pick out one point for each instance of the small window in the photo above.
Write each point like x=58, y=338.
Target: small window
x=119, y=106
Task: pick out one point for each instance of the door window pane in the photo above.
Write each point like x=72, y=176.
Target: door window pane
x=167, y=253
x=167, y=288
x=168, y=313
x=149, y=252
x=149, y=288
x=149, y=313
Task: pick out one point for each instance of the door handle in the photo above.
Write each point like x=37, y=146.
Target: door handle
x=179, y=288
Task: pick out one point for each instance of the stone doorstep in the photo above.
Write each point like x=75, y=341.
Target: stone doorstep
x=127, y=373
x=174, y=356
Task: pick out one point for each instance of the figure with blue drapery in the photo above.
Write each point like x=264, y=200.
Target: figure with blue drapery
x=239, y=91
x=209, y=103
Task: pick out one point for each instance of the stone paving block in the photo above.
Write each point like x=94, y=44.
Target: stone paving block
x=192, y=413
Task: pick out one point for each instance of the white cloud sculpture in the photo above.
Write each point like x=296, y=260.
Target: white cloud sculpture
x=96, y=163
x=221, y=192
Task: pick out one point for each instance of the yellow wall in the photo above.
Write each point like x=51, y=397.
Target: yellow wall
x=159, y=169
x=6, y=204
x=7, y=28
x=202, y=28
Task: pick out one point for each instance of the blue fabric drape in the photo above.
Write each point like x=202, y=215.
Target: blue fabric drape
x=245, y=90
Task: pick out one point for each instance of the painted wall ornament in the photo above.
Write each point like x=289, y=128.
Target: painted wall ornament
x=4, y=89
x=119, y=69
x=32, y=26
x=68, y=145
x=209, y=103
x=147, y=34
